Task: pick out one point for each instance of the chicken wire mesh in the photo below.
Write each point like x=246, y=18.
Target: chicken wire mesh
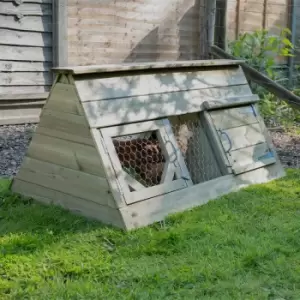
x=141, y=156
x=144, y=158
x=196, y=149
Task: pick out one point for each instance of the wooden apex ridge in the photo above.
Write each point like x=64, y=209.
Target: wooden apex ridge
x=80, y=70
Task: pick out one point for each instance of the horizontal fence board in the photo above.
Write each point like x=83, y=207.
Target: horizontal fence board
x=24, y=89
x=32, y=9
x=33, y=1
x=22, y=53
x=23, y=66
x=27, y=23
x=141, y=108
x=128, y=86
x=19, y=116
x=25, y=38
x=25, y=78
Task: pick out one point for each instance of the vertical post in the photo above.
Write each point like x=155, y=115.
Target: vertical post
x=59, y=35
x=220, y=32
x=264, y=20
x=211, y=22
x=293, y=25
x=237, y=19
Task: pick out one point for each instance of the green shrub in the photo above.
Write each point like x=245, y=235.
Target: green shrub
x=260, y=49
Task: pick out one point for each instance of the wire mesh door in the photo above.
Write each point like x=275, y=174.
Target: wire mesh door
x=146, y=159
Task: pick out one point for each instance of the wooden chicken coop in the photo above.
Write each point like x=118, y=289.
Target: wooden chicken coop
x=128, y=144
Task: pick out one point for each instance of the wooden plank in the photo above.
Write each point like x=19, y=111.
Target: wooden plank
x=22, y=104
x=25, y=38
x=68, y=181
x=129, y=86
x=261, y=79
x=253, y=157
x=65, y=153
x=74, y=204
x=156, y=209
x=170, y=65
x=73, y=126
x=31, y=1
x=141, y=108
x=25, y=78
x=23, y=66
x=15, y=90
x=37, y=96
x=27, y=23
x=233, y=117
x=107, y=167
x=21, y=115
x=32, y=9
x=23, y=53
x=60, y=36
x=241, y=137
x=209, y=105
x=63, y=98
x=216, y=144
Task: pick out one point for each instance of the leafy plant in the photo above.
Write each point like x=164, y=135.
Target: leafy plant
x=261, y=50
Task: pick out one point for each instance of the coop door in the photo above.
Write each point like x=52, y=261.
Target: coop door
x=241, y=138
x=146, y=159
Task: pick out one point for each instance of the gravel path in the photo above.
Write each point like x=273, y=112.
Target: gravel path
x=14, y=140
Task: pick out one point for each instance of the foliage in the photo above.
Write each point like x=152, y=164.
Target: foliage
x=243, y=246
x=261, y=50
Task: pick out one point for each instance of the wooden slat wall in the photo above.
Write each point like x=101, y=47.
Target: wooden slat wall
x=25, y=46
x=250, y=15
x=125, y=31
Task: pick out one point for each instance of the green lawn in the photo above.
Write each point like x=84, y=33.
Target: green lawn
x=243, y=246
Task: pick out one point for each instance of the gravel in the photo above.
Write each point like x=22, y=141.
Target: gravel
x=14, y=140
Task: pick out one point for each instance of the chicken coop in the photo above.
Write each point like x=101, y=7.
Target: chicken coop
x=128, y=144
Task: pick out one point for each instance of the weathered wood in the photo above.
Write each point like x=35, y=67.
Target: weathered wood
x=108, y=168
x=15, y=90
x=223, y=103
x=29, y=9
x=68, y=181
x=21, y=66
x=65, y=153
x=60, y=28
x=37, y=96
x=241, y=137
x=63, y=98
x=261, y=79
x=251, y=157
x=74, y=204
x=128, y=86
x=27, y=23
x=31, y=1
x=156, y=209
x=25, y=38
x=25, y=78
x=132, y=109
x=23, y=53
x=79, y=70
x=22, y=104
x=23, y=114
x=216, y=144
x=233, y=117
x=73, y=127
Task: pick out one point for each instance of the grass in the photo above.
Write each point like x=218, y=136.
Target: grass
x=244, y=246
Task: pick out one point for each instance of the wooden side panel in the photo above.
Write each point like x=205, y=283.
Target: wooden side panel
x=65, y=153
x=105, y=214
x=63, y=98
x=139, y=108
x=65, y=180
x=25, y=46
x=139, y=85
